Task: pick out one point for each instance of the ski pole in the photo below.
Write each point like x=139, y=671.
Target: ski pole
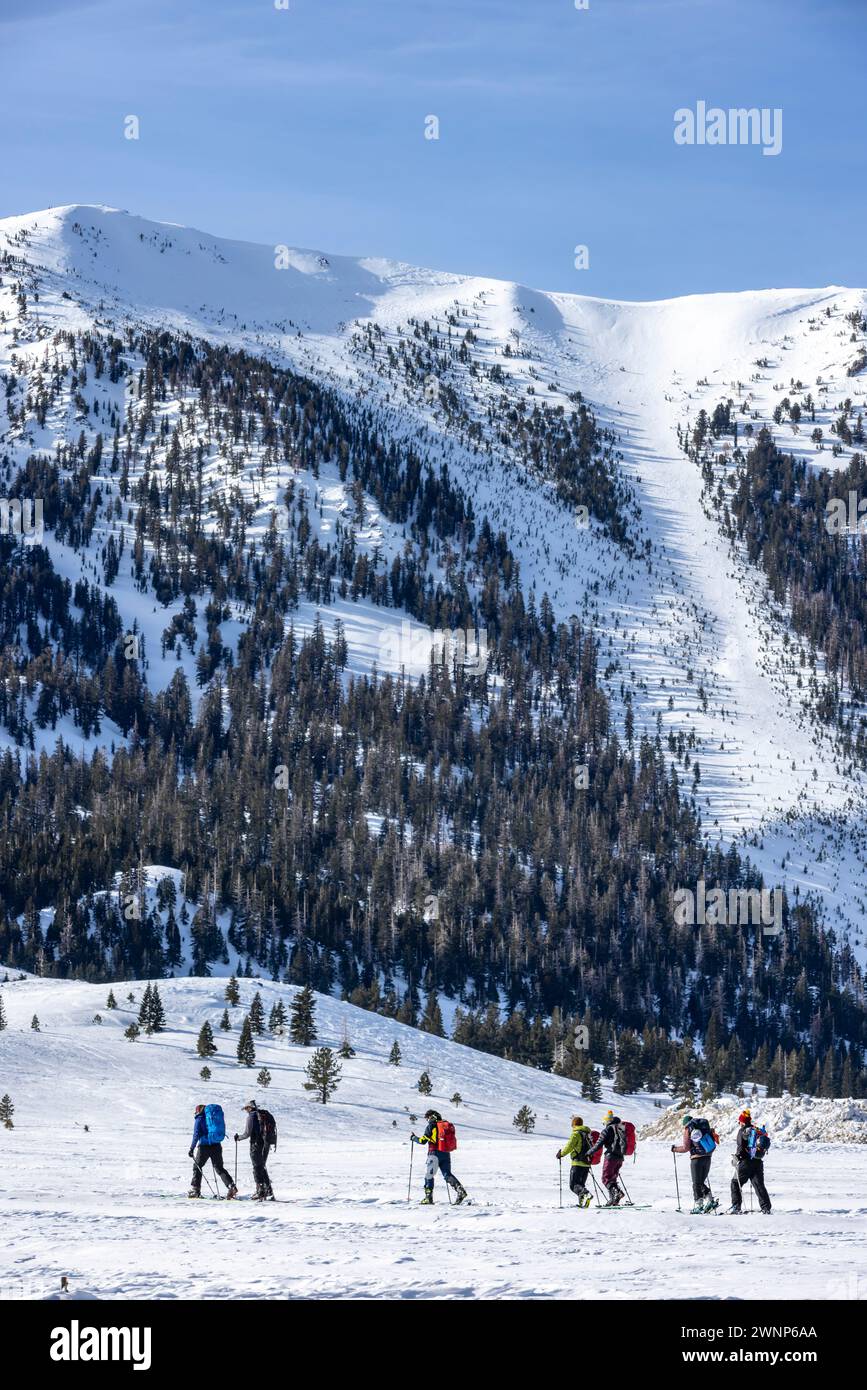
x=409, y=1184
x=560, y=1166
x=626, y=1190
x=207, y=1179
x=676, y=1183
x=599, y=1201
x=236, y=1163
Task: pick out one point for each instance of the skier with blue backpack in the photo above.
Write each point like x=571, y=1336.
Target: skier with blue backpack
x=699, y=1141
x=209, y=1131
x=751, y=1145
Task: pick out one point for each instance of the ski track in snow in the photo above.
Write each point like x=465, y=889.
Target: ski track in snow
x=108, y=1208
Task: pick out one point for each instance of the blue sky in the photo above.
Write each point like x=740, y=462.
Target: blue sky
x=306, y=126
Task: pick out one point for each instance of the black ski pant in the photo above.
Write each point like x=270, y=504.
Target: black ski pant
x=259, y=1158
x=214, y=1152
x=750, y=1170
x=700, y=1170
x=578, y=1174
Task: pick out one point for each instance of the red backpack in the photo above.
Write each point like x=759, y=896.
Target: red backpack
x=447, y=1140
x=630, y=1137
x=597, y=1157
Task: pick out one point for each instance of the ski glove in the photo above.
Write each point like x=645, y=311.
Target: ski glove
x=558, y=1154
x=191, y=1153
x=236, y=1138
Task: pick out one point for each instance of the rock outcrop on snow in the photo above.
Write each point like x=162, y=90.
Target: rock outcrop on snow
x=788, y=1119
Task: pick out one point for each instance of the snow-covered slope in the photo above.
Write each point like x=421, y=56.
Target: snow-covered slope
x=102, y=1126
x=687, y=628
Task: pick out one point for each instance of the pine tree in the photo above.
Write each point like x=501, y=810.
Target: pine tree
x=233, y=994
x=264, y=1078
x=158, y=1015
x=34, y=1024
x=257, y=1015
x=132, y=1032
x=424, y=1083
x=144, y=1013
x=346, y=1049
x=277, y=1019
x=225, y=1023
x=591, y=1087
x=246, y=1046
x=205, y=1073
x=206, y=1047
x=97, y=1018
x=432, y=1019
x=525, y=1120
x=111, y=1002
x=395, y=1054
x=457, y=1099
x=302, y=1026
x=7, y=1110
x=3, y=1023
x=323, y=1073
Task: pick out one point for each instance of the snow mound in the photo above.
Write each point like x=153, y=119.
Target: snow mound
x=788, y=1119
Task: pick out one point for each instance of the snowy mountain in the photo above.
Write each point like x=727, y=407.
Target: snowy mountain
x=101, y=1128
x=269, y=477
x=688, y=629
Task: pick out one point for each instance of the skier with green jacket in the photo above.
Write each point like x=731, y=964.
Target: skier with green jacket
x=577, y=1148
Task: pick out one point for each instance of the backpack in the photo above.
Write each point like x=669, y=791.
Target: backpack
x=705, y=1141
x=215, y=1125
x=597, y=1157
x=618, y=1148
x=630, y=1137
x=267, y=1127
x=758, y=1141
x=447, y=1140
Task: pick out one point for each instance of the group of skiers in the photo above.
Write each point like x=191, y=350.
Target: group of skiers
x=209, y=1131
x=752, y=1142
x=616, y=1139
x=699, y=1140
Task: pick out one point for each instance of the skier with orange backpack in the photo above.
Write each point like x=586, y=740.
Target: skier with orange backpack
x=441, y=1144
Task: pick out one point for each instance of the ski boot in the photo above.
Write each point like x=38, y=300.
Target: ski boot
x=427, y=1200
x=232, y=1192
x=697, y=1210
x=711, y=1204
x=193, y=1195
x=584, y=1200
x=462, y=1194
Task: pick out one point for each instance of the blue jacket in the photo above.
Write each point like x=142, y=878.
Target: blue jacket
x=200, y=1131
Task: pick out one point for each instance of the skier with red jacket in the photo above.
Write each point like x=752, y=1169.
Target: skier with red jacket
x=440, y=1139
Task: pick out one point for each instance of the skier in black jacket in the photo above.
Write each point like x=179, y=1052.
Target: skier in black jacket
x=258, y=1153
x=749, y=1167
x=613, y=1140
